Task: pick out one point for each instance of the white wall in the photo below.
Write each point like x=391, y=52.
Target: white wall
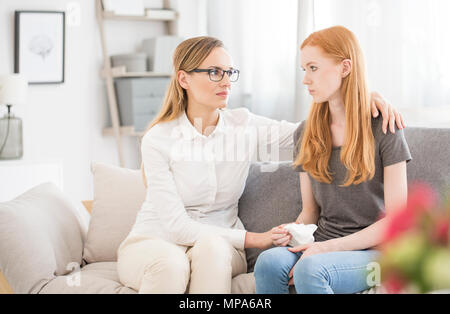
x=64, y=122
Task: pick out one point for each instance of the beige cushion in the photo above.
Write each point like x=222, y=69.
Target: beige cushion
x=103, y=278
x=118, y=196
x=96, y=278
x=243, y=284
x=41, y=234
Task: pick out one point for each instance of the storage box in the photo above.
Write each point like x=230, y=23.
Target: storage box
x=159, y=51
x=133, y=62
x=140, y=100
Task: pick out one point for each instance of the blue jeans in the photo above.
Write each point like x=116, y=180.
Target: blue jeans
x=334, y=272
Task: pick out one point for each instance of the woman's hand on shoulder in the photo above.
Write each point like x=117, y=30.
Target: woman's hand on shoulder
x=390, y=115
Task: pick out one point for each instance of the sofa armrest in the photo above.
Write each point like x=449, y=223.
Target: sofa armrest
x=30, y=255
x=5, y=288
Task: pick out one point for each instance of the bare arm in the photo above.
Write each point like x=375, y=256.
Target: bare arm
x=395, y=196
x=258, y=240
x=310, y=211
x=308, y=215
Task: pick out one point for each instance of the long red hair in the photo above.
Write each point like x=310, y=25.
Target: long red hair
x=358, y=150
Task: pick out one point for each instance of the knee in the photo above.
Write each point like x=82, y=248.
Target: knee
x=268, y=262
x=171, y=263
x=309, y=273
x=149, y=262
x=212, y=247
x=168, y=273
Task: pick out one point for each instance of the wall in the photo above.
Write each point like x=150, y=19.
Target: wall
x=64, y=122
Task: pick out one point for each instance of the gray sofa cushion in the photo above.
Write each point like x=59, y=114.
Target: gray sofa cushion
x=270, y=198
x=40, y=235
x=273, y=198
x=430, y=149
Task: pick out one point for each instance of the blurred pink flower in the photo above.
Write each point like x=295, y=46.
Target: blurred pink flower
x=421, y=200
x=395, y=284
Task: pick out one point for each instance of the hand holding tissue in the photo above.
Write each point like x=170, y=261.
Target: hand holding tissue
x=301, y=234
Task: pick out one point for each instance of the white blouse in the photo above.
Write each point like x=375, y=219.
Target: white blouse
x=195, y=181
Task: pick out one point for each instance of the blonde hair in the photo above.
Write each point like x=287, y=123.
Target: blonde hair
x=187, y=56
x=358, y=150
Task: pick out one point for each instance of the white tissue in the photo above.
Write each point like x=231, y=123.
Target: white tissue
x=301, y=234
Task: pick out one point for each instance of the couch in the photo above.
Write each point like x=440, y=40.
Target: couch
x=50, y=244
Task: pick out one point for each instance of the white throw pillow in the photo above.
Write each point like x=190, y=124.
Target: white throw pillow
x=118, y=196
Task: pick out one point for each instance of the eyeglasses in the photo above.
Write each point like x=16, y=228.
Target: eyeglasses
x=217, y=74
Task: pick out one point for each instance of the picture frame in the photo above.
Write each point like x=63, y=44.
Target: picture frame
x=39, y=41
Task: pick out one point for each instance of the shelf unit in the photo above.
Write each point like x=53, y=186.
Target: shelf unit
x=109, y=73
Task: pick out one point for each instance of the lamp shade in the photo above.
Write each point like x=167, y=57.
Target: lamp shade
x=13, y=89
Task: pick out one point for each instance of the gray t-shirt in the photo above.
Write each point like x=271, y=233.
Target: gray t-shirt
x=346, y=210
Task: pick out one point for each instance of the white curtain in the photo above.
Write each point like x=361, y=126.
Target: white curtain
x=406, y=44
x=305, y=26
x=261, y=36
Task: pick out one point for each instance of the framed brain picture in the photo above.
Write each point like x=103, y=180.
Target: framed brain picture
x=39, y=46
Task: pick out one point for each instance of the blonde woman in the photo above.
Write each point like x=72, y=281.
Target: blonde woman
x=196, y=156
x=351, y=174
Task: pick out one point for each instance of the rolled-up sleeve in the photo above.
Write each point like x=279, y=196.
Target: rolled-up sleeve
x=163, y=196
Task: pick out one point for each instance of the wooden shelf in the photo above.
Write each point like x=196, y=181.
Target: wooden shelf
x=118, y=72
x=124, y=130
x=109, y=73
x=151, y=15
x=141, y=74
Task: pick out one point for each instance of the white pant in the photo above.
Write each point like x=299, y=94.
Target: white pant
x=152, y=265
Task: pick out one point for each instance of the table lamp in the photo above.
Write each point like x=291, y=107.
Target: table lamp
x=13, y=92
